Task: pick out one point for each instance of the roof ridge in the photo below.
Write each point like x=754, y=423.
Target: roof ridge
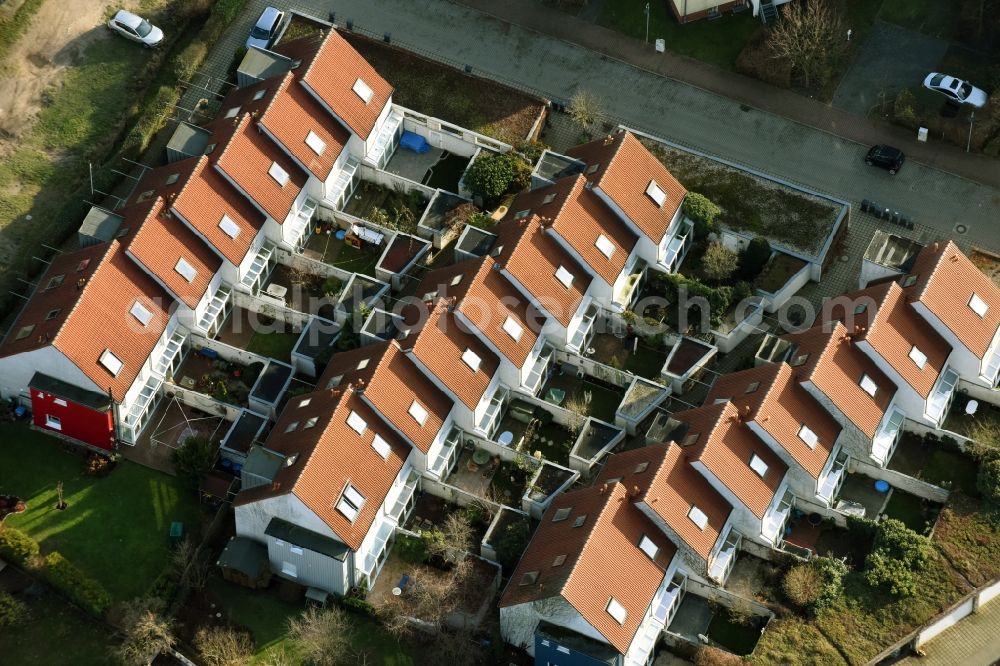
x=239, y=127
x=321, y=432
x=614, y=156
x=781, y=369
x=316, y=55
x=937, y=264
x=573, y=192
x=113, y=246
x=282, y=87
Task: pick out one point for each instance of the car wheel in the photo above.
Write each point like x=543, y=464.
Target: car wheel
x=892, y=172
x=869, y=162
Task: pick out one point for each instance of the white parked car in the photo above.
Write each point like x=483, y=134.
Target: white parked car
x=957, y=90
x=136, y=28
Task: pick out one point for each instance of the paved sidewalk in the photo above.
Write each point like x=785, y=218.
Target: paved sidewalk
x=974, y=641
x=534, y=15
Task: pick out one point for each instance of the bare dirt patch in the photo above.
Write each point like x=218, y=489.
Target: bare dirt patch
x=55, y=39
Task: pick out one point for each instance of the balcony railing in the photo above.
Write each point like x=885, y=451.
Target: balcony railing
x=405, y=495
x=774, y=519
x=830, y=484
x=536, y=377
x=491, y=419
x=582, y=336
x=385, y=141
x=450, y=444
x=887, y=435
x=723, y=563
x=940, y=398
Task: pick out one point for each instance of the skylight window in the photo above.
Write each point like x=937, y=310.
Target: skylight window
x=186, y=270
x=305, y=403
x=455, y=280
x=521, y=214
x=82, y=265
x=758, y=465
x=549, y=198
x=640, y=468
x=751, y=387
x=978, y=305
x=418, y=413
x=691, y=439
x=172, y=178
x=647, y=546
x=698, y=517
x=562, y=514
x=292, y=426
x=231, y=113
x=278, y=173
x=362, y=90
x=799, y=360
x=564, y=276
x=592, y=169
x=230, y=228
x=580, y=520
x=808, y=436
x=357, y=423
x=311, y=423
x=52, y=314
x=512, y=328
x=868, y=385
x=317, y=144
x=909, y=281
x=558, y=562
x=362, y=364
x=918, y=357
x=24, y=332
x=259, y=94
x=616, y=610
x=528, y=578
x=471, y=359
x=350, y=503
x=140, y=312
x=605, y=245
x=656, y=193
x=381, y=446
x=111, y=363
x=55, y=281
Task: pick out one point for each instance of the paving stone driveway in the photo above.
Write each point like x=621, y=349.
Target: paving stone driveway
x=893, y=58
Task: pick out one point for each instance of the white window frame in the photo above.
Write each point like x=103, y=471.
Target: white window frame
x=53, y=422
x=604, y=244
x=317, y=144
x=111, y=363
x=868, y=385
x=141, y=314
x=918, y=357
x=362, y=90
x=279, y=174
x=185, y=269
x=292, y=426
x=616, y=610
x=229, y=227
x=978, y=305
x=512, y=328
x=564, y=276
x=418, y=412
x=758, y=465
x=698, y=517
x=656, y=193
x=381, y=447
x=471, y=359
x=807, y=435
x=356, y=422
x=647, y=546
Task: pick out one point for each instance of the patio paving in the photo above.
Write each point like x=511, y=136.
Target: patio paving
x=239, y=328
x=860, y=489
x=935, y=463
x=471, y=477
x=411, y=165
x=169, y=425
x=693, y=617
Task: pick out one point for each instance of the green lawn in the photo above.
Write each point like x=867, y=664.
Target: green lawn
x=909, y=509
x=969, y=539
x=115, y=528
x=266, y=616
x=646, y=361
x=794, y=642
x=55, y=635
x=277, y=345
x=717, y=42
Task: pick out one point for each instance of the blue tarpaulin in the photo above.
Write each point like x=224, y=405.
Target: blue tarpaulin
x=415, y=142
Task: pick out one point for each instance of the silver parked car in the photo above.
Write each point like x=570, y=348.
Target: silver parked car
x=956, y=90
x=266, y=28
x=136, y=28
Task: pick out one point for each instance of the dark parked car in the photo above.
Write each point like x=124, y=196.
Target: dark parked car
x=266, y=28
x=885, y=157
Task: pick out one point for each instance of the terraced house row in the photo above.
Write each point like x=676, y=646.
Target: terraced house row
x=329, y=473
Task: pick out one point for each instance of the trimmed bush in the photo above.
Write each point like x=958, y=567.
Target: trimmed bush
x=16, y=546
x=190, y=60
x=194, y=460
x=832, y=572
x=719, y=262
x=899, y=556
x=80, y=588
x=411, y=549
x=803, y=585
x=494, y=175
x=754, y=258
x=702, y=212
x=359, y=606
x=12, y=611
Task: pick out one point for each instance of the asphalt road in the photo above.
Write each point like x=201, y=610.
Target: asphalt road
x=688, y=115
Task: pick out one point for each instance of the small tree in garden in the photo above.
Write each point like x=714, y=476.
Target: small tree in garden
x=322, y=636
x=511, y=542
x=453, y=540
x=754, y=257
x=493, y=175
x=147, y=632
x=194, y=460
x=191, y=565
x=988, y=484
x=810, y=35
x=223, y=646
x=802, y=585
x=585, y=109
x=718, y=263
x=702, y=211
x=897, y=559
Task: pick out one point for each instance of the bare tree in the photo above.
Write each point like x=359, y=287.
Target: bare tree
x=191, y=565
x=585, y=109
x=222, y=646
x=811, y=36
x=147, y=633
x=453, y=540
x=322, y=636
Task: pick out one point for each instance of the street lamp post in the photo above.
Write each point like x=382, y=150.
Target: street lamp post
x=647, y=23
x=972, y=118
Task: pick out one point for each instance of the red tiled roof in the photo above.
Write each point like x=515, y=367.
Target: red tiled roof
x=486, y=298
x=332, y=74
x=780, y=406
x=91, y=315
x=835, y=366
x=580, y=218
x=331, y=454
x=438, y=345
x=718, y=438
x=624, y=169
x=669, y=486
x=602, y=561
x=532, y=257
x=292, y=114
x=392, y=383
x=893, y=328
x=246, y=158
x=161, y=240
x=946, y=282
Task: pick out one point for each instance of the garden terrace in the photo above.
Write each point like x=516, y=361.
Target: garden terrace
x=132, y=508
x=443, y=210
x=336, y=252
x=360, y=289
x=637, y=356
x=257, y=333
x=382, y=326
x=985, y=421
x=753, y=204
x=303, y=291
x=222, y=380
x=935, y=462
x=546, y=481
x=169, y=425
x=437, y=168
x=641, y=397
x=474, y=477
x=915, y=512
x=778, y=271
x=444, y=92
x=430, y=512
x=585, y=396
x=858, y=492
x=369, y=197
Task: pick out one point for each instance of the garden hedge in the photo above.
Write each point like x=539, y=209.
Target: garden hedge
x=16, y=546
x=12, y=611
x=80, y=588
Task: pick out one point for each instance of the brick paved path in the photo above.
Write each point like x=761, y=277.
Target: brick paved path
x=974, y=641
